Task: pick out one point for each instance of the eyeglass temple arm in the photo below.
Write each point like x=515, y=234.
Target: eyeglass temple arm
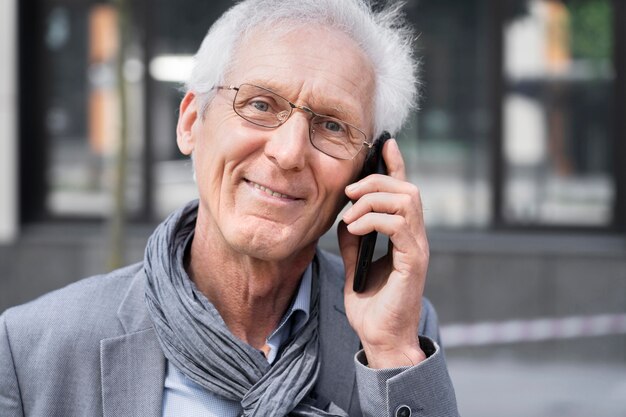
x=223, y=87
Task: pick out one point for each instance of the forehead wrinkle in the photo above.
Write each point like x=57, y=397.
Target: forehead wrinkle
x=278, y=87
x=323, y=104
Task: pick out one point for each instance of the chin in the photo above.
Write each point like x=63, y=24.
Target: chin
x=272, y=251
x=271, y=243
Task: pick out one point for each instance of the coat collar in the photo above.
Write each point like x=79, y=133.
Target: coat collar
x=132, y=312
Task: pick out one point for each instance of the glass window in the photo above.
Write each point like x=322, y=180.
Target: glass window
x=557, y=115
x=446, y=144
x=82, y=110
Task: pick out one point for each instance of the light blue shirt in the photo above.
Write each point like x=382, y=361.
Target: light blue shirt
x=184, y=397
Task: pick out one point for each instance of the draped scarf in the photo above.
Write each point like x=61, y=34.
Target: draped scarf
x=194, y=337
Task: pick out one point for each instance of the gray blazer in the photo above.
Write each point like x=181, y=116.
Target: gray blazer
x=90, y=350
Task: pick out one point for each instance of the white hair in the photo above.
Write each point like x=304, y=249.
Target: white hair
x=383, y=35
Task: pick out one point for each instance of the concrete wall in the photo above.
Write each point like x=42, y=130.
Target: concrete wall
x=493, y=277
x=8, y=120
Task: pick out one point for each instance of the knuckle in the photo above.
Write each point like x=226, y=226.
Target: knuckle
x=365, y=203
x=400, y=223
x=414, y=193
x=406, y=200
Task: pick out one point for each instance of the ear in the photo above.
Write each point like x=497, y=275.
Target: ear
x=188, y=115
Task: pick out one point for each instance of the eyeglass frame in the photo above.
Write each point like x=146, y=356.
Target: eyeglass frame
x=293, y=107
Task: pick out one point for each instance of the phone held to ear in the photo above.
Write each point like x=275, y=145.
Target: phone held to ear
x=374, y=164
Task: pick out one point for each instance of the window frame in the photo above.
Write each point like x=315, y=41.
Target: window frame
x=618, y=172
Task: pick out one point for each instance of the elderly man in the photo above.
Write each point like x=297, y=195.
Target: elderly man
x=234, y=311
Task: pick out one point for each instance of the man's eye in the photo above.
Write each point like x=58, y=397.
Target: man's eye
x=260, y=105
x=333, y=126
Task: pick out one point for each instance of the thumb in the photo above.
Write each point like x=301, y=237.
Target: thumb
x=349, y=247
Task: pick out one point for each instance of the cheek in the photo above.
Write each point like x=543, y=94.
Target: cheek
x=218, y=145
x=337, y=180
x=210, y=156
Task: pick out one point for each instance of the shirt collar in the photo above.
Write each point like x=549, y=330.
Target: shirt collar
x=296, y=316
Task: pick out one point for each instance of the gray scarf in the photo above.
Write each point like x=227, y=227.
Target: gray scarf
x=195, y=339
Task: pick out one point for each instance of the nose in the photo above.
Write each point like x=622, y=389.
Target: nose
x=288, y=145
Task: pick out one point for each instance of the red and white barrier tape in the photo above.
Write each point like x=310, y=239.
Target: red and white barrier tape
x=515, y=331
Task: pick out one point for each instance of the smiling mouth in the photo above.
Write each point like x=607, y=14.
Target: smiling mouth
x=270, y=192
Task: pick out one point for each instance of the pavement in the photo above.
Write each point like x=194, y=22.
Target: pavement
x=509, y=388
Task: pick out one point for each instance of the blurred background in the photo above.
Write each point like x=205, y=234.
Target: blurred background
x=518, y=148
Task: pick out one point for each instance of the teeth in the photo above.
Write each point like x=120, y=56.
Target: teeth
x=269, y=192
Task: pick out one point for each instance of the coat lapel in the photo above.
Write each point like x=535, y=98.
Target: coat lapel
x=132, y=365
x=338, y=342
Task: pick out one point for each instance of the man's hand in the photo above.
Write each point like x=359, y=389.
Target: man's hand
x=386, y=315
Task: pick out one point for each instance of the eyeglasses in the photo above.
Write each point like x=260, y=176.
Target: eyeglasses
x=265, y=108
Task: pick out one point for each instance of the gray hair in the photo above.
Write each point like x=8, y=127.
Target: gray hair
x=383, y=35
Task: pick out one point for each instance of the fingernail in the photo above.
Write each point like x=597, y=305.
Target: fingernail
x=352, y=187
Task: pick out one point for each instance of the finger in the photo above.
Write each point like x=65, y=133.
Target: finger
x=410, y=251
x=395, y=167
x=376, y=182
x=382, y=202
x=401, y=235
x=394, y=226
x=407, y=204
x=394, y=160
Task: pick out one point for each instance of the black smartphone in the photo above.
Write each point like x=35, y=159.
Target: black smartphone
x=374, y=164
